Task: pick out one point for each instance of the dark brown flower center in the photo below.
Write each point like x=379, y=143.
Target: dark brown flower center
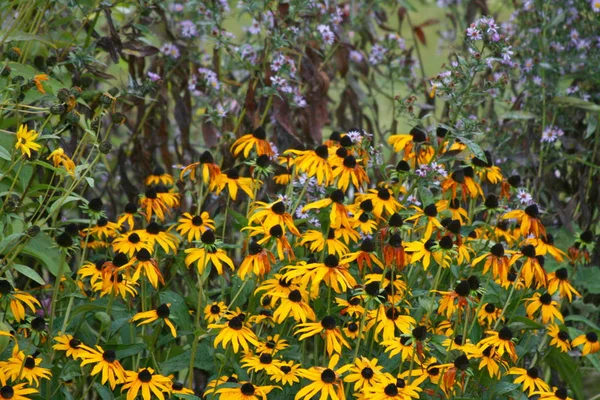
x=163, y=311
x=490, y=308
x=109, y=356
x=391, y=390
x=7, y=392
x=247, y=389
x=322, y=152
x=295, y=296
x=533, y=373
x=197, y=220
x=266, y=358
x=367, y=373
x=505, y=333
x=591, y=337
x=328, y=376
x=134, y=238
x=328, y=322
x=145, y=376
x=208, y=237
x=74, y=343
x=331, y=261
x=463, y=288
x=546, y=299
x=29, y=363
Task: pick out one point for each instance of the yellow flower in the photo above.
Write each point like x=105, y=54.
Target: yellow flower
x=236, y=333
x=559, y=281
x=339, y=212
x=159, y=176
x=327, y=328
x=70, y=345
x=529, y=220
x=554, y=394
x=213, y=312
x=203, y=256
x=59, y=158
x=105, y=362
x=143, y=262
x=314, y=163
x=502, y=341
x=287, y=373
x=382, y=199
x=245, y=391
x=550, y=310
x=148, y=382
x=38, y=79
x=488, y=314
x=399, y=345
x=17, y=300
x=560, y=338
x=316, y=242
x=129, y=244
x=350, y=171
x=194, y=226
x=209, y=169
x=103, y=229
x=258, y=261
x=326, y=381
x=529, y=378
x=364, y=373
x=233, y=181
x=16, y=392
x=429, y=213
x=589, y=341
x=256, y=139
x=19, y=367
x=162, y=312
x=335, y=275
x=295, y=304
x=26, y=140
x=264, y=362
x=491, y=360
x=387, y=319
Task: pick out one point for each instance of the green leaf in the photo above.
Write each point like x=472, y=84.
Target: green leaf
x=186, y=396
x=474, y=147
x=518, y=322
x=42, y=248
x=103, y=392
x=502, y=388
x=70, y=370
x=579, y=318
x=180, y=362
x=28, y=37
x=29, y=272
x=518, y=115
x=593, y=359
x=568, y=101
x=179, y=309
x=4, y=154
x=564, y=364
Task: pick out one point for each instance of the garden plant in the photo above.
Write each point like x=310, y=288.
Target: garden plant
x=299, y=199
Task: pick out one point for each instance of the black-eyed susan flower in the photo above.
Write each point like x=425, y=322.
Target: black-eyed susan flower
x=272, y=344
x=278, y=286
x=394, y=252
x=245, y=391
x=316, y=242
x=497, y=260
x=462, y=178
x=530, y=379
x=235, y=333
x=17, y=299
x=560, y=338
x=488, y=314
x=560, y=393
x=270, y=215
x=351, y=307
x=159, y=176
x=70, y=345
x=162, y=312
x=459, y=343
x=103, y=229
x=350, y=171
x=275, y=233
x=21, y=367
x=502, y=342
x=128, y=216
x=179, y=388
x=104, y=362
x=324, y=381
x=589, y=341
x=383, y=200
x=429, y=214
x=233, y=182
x=545, y=245
x=314, y=163
x=256, y=140
x=405, y=142
x=287, y=373
x=215, y=311
x=491, y=361
x=194, y=225
x=154, y=204
x=258, y=261
x=16, y=391
x=144, y=265
x=328, y=329
x=387, y=320
x=26, y=140
x=115, y=284
x=59, y=158
x=338, y=215
x=549, y=308
x=532, y=267
x=486, y=171
x=129, y=244
x=365, y=255
x=400, y=345
x=364, y=373
x=352, y=330
x=209, y=170
x=335, y=274
x=456, y=211
x=146, y=381
x=208, y=252
x=391, y=388
x=155, y=234
x=458, y=367
x=558, y=281
x=425, y=251
x=296, y=305
x=454, y=300
x=261, y=362
x=529, y=221
x=215, y=383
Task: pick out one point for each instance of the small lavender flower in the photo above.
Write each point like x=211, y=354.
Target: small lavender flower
x=153, y=77
x=170, y=50
x=188, y=29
